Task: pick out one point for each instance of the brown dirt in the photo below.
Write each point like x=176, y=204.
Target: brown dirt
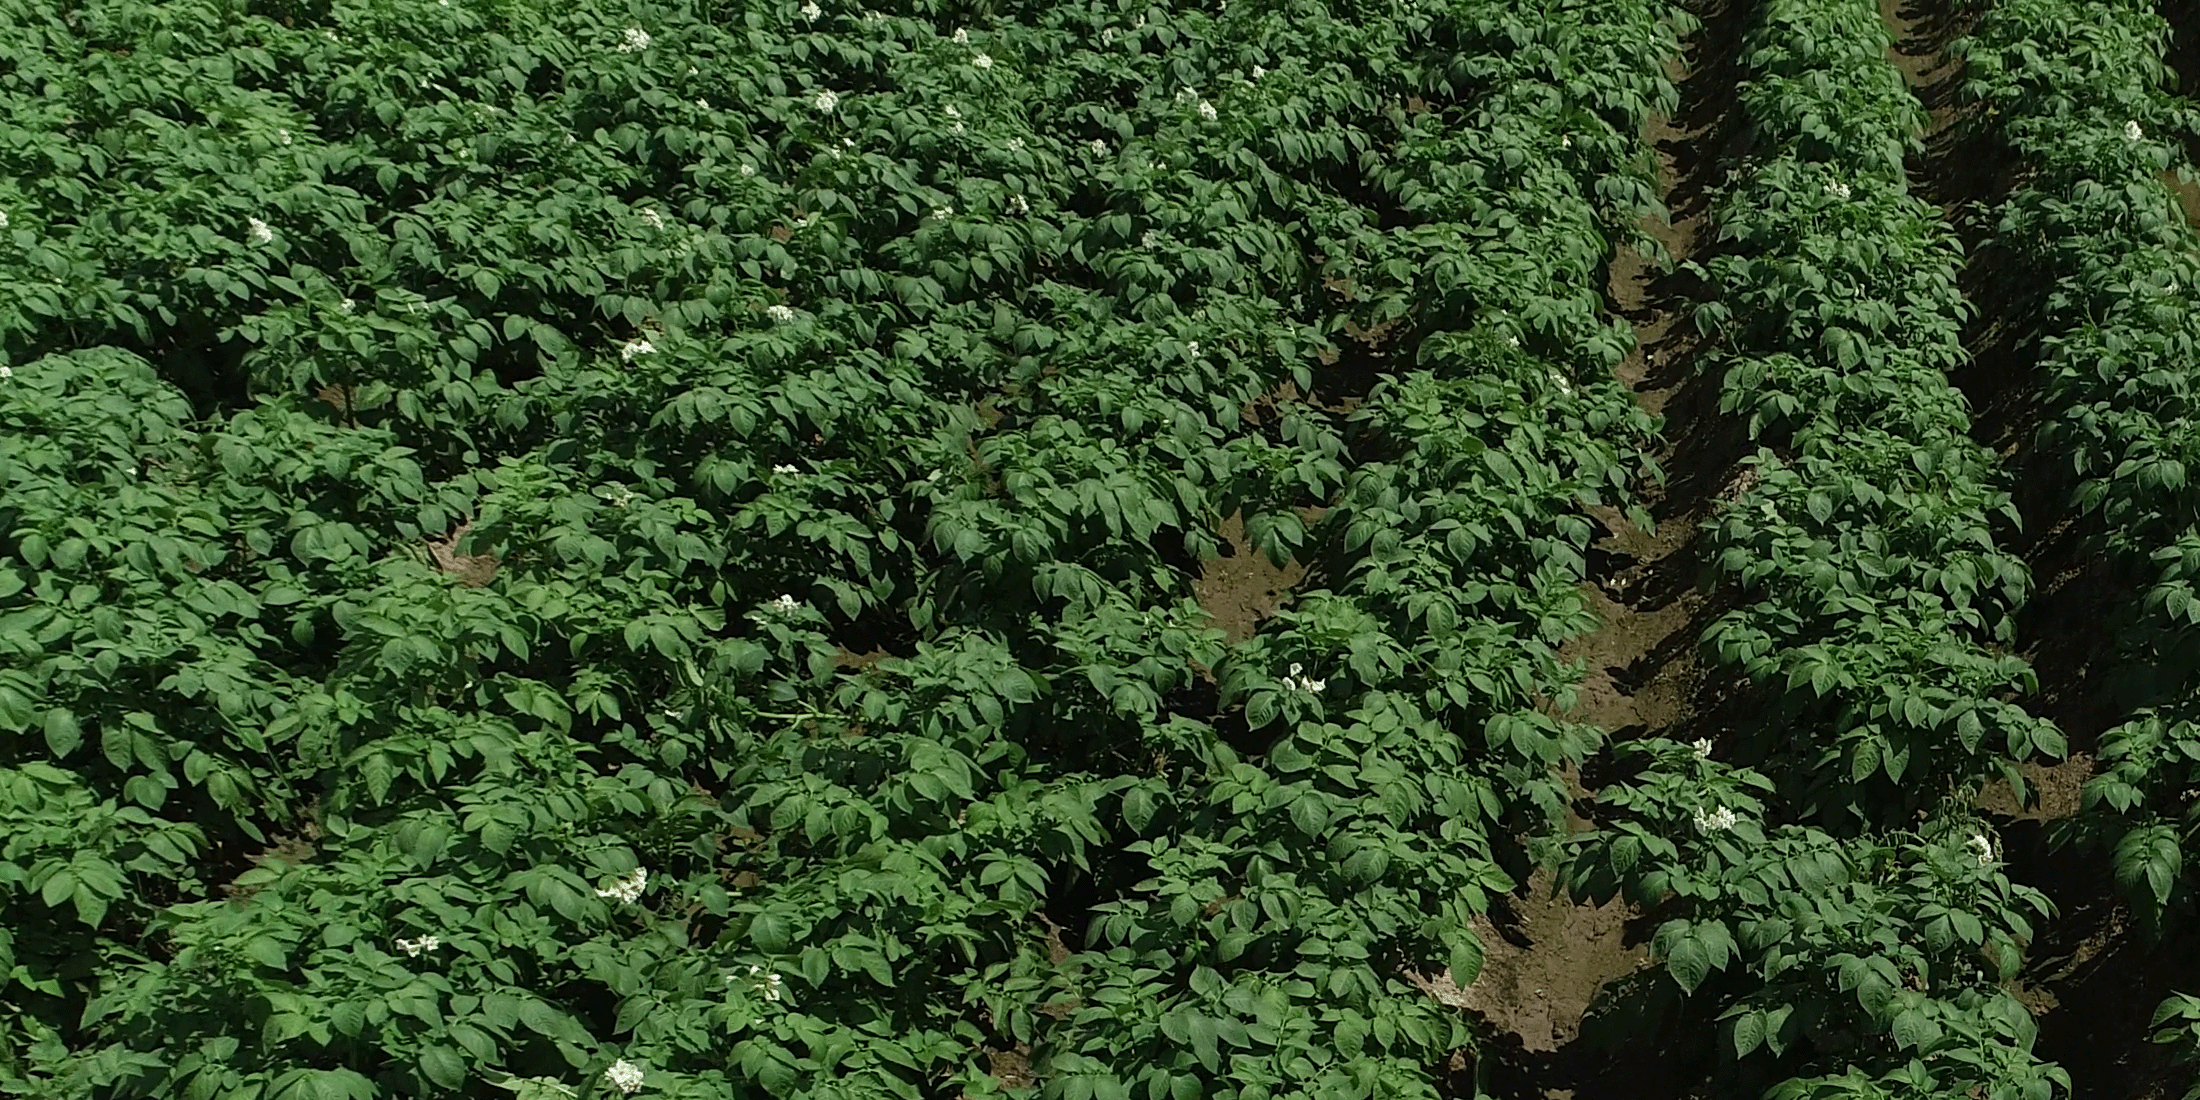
x=1544, y=969
x=1242, y=588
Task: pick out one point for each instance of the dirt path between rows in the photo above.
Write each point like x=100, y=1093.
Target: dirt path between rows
x=1552, y=963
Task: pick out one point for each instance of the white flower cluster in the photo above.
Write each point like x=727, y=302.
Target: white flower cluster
x=1207, y=110
x=811, y=11
x=1717, y=821
x=982, y=61
x=347, y=305
x=1191, y=349
x=1703, y=748
x=628, y=889
x=1838, y=190
x=651, y=216
x=257, y=232
x=748, y=170
x=954, y=116
x=768, y=985
x=1258, y=72
x=632, y=348
x=1512, y=341
x=636, y=40
x=3, y=219
x=779, y=314
x=1559, y=380
x=1981, y=847
x=1015, y=145
x=942, y=213
x=1566, y=141
x=784, y=468
x=784, y=605
x=962, y=36
x=283, y=136
x=1017, y=205
x=623, y=497
x=413, y=948
x=1148, y=239
x=6, y=373
x=2132, y=132
x=826, y=101
x=1099, y=148
x=1293, y=681
x=624, y=1076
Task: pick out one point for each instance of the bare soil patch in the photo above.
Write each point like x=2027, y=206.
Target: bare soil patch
x=1242, y=588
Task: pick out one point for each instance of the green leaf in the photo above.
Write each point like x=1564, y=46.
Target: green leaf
x=1749, y=1033
x=63, y=735
x=1467, y=957
x=1689, y=963
x=443, y=1066
x=771, y=932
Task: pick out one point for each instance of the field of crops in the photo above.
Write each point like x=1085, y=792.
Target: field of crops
x=1229, y=550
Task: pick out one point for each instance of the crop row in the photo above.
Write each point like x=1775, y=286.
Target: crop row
x=496, y=560
x=2076, y=89
x=1823, y=887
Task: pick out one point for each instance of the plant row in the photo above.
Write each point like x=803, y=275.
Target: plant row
x=463, y=462
x=1823, y=888
x=2076, y=90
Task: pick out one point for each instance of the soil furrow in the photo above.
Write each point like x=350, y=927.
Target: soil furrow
x=1554, y=967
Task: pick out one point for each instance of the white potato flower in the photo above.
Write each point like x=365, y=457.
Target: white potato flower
x=6, y=373
x=628, y=889
x=632, y=348
x=962, y=36
x=811, y=11
x=1839, y=190
x=1717, y=821
x=942, y=213
x=1017, y=205
x=785, y=605
x=636, y=40
x=826, y=101
x=283, y=136
x=3, y=219
x=1293, y=681
x=1259, y=72
x=651, y=216
x=2132, y=132
x=748, y=170
x=624, y=1076
x=785, y=469
x=1191, y=348
x=982, y=61
x=1703, y=748
x=1207, y=110
x=769, y=985
x=779, y=314
x=257, y=232
x=413, y=948
x=1099, y=148
x=347, y=305
x=1981, y=847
